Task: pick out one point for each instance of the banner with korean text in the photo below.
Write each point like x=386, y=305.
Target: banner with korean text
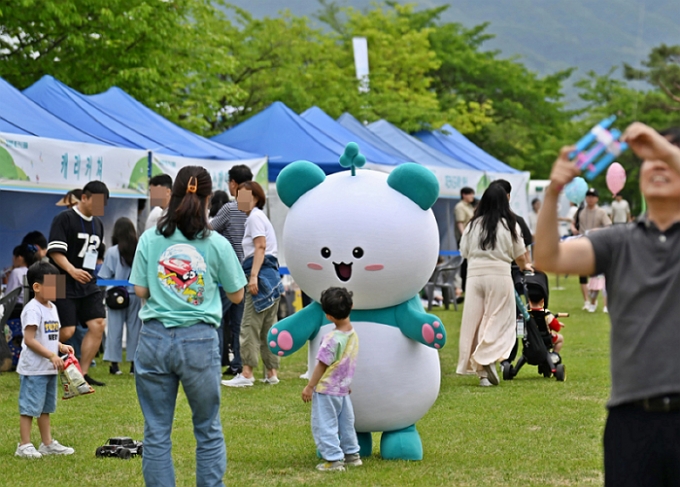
x=43, y=165
x=218, y=169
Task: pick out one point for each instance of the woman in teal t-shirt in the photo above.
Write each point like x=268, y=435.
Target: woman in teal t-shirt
x=177, y=268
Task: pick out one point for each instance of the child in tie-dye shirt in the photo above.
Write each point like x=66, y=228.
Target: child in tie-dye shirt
x=329, y=387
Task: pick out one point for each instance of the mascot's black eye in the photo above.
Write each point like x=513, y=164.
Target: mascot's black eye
x=358, y=252
x=325, y=252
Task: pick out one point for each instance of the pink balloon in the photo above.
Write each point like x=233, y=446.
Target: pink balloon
x=616, y=178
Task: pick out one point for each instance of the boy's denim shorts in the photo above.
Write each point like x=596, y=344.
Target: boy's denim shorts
x=37, y=395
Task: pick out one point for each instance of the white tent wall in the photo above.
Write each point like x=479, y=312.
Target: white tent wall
x=25, y=212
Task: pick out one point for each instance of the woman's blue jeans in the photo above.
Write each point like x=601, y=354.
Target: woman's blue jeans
x=165, y=357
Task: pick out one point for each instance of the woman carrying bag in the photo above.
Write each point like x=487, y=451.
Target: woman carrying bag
x=123, y=306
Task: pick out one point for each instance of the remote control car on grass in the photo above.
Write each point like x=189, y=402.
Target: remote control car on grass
x=122, y=447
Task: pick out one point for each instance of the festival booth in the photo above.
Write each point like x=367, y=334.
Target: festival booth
x=286, y=137
x=452, y=143
x=117, y=117
x=42, y=157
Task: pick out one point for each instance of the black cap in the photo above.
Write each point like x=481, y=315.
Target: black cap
x=592, y=192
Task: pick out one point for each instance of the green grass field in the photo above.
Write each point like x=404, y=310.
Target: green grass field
x=530, y=432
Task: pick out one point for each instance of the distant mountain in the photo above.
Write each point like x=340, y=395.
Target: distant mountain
x=547, y=35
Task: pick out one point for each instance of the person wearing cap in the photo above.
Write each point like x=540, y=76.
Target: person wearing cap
x=589, y=218
x=641, y=263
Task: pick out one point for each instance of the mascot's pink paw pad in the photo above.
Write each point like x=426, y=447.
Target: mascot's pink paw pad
x=431, y=336
x=283, y=342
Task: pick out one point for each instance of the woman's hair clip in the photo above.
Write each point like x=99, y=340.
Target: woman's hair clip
x=191, y=188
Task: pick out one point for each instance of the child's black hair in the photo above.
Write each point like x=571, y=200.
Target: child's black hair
x=38, y=271
x=337, y=302
x=535, y=295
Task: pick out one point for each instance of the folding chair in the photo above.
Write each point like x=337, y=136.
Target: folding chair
x=444, y=277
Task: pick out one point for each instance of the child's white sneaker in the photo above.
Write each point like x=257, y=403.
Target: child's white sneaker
x=586, y=306
x=353, y=460
x=605, y=310
x=593, y=307
x=484, y=382
x=338, y=466
x=55, y=448
x=239, y=381
x=271, y=380
x=27, y=451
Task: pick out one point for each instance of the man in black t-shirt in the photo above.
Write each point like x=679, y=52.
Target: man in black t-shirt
x=75, y=237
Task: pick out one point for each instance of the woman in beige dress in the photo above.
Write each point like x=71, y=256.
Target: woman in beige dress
x=491, y=241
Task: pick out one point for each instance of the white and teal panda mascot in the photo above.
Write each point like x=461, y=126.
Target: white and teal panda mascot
x=375, y=235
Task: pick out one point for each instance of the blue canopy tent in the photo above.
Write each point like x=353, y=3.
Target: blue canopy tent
x=27, y=127
x=413, y=148
x=77, y=110
x=20, y=115
x=360, y=130
x=452, y=143
x=284, y=137
x=169, y=137
x=333, y=129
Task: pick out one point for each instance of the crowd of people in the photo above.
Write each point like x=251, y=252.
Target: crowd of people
x=196, y=302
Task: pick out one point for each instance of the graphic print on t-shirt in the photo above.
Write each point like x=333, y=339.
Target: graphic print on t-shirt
x=51, y=330
x=180, y=269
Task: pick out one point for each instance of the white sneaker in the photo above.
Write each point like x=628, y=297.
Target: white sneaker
x=492, y=374
x=484, y=382
x=586, y=306
x=239, y=381
x=605, y=310
x=305, y=376
x=270, y=380
x=27, y=451
x=592, y=308
x=55, y=448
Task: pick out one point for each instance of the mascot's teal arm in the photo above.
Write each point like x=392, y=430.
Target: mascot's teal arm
x=418, y=325
x=410, y=318
x=289, y=334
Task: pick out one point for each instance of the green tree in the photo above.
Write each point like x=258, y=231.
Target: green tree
x=662, y=71
x=282, y=59
x=165, y=53
x=529, y=120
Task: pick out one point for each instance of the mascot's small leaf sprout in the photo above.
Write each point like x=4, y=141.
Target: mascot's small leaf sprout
x=352, y=157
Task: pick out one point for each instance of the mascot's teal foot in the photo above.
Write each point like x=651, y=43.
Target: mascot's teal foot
x=402, y=444
x=281, y=342
x=365, y=444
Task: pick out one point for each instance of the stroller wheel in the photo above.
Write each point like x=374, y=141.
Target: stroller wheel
x=560, y=373
x=506, y=367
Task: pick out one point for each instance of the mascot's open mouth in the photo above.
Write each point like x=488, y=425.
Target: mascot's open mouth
x=344, y=271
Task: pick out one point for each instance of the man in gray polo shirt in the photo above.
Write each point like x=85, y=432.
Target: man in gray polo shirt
x=641, y=262
x=230, y=222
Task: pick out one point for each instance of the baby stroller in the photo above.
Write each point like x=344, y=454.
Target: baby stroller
x=537, y=345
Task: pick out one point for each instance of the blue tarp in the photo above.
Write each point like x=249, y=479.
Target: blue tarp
x=456, y=145
x=358, y=129
x=20, y=115
x=134, y=115
x=333, y=129
x=414, y=149
x=284, y=137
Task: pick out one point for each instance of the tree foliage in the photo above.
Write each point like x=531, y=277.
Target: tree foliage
x=165, y=53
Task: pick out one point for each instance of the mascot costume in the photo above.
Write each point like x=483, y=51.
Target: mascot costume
x=375, y=235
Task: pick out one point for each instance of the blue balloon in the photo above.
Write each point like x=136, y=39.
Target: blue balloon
x=576, y=190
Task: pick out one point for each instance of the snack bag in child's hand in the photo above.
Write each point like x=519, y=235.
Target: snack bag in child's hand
x=72, y=378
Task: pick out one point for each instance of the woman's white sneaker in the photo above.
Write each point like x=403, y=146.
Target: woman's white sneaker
x=55, y=448
x=27, y=451
x=239, y=381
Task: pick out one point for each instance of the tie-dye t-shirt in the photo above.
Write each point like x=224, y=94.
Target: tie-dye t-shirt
x=339, y=351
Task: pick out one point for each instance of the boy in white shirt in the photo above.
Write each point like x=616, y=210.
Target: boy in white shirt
x=39, y=362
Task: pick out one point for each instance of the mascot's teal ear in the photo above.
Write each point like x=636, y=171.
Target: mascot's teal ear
x=416, y=183
x=296, y=179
